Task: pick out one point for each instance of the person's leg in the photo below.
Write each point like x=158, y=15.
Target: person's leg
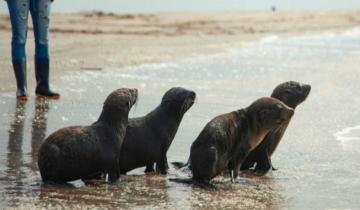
x=19, y=12
x=40, y=12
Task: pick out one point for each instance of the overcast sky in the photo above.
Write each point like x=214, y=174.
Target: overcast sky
x=194, y=5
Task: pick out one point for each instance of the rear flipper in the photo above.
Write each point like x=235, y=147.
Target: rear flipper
x=179, y=165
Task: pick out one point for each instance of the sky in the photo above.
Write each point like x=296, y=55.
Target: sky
x=194, y=5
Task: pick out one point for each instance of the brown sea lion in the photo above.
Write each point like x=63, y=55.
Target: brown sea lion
x=292, y=94
x=78, y=152
x=227, y=139
x=149, y=137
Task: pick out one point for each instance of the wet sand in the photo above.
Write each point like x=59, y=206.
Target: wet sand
x=92, y=41
x=317, y=160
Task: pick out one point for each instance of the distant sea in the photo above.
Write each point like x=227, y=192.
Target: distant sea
x=195, y=5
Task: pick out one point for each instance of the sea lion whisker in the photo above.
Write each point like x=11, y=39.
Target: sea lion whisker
x=184, y=106
x=135, y=105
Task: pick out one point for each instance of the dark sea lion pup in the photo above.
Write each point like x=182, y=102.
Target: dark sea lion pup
x=292, y=94
x=78, y=152
x=227, y=139
x=149, y=137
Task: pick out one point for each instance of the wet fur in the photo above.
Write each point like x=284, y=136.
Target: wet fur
x=148, y=138
x=79, y=152
x=227, y=139
x=292, y=94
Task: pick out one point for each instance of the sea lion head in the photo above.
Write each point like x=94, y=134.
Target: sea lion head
x=291, y=93
x=268, y=113
x=178, y=100
x=118, y=102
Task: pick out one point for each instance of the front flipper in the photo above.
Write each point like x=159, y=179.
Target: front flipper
x=206, y=185
x=231, y=166
x=263, y=165
x=149, y=168
x=232, y=176
x=162, y=164
x=234, y=165
x=112, y=170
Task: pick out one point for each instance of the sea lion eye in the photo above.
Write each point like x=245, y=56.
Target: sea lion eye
x=127, y=104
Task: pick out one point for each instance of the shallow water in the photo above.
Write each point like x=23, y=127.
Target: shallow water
x=317, y=160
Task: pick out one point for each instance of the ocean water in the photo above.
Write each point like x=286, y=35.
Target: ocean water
x=317, y=159
x=195, y=5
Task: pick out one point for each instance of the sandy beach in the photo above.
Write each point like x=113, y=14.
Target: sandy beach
x=93, y=41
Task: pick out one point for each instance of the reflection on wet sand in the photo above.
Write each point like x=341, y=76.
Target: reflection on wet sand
x=21, y=167
x=38, y=132
x=245, y=193
x=131, y=191
x=156, y=192
x=15, y=162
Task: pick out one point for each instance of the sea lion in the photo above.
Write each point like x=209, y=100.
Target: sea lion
x=292, y=94
x=78, y=152
x=227, y=139
x=149, y=137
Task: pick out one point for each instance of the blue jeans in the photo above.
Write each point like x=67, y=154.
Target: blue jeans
x=19, y=13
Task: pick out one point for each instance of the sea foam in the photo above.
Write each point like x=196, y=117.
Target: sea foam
x=348, y=134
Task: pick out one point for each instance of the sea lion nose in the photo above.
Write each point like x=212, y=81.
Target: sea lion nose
x=307, y=88
x=134, y=93
x=192, y=94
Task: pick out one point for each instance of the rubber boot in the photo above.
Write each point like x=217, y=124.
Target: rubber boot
x=42, y=79
x=20, y=75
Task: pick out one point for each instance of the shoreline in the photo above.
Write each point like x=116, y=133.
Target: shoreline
x=97, y=40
